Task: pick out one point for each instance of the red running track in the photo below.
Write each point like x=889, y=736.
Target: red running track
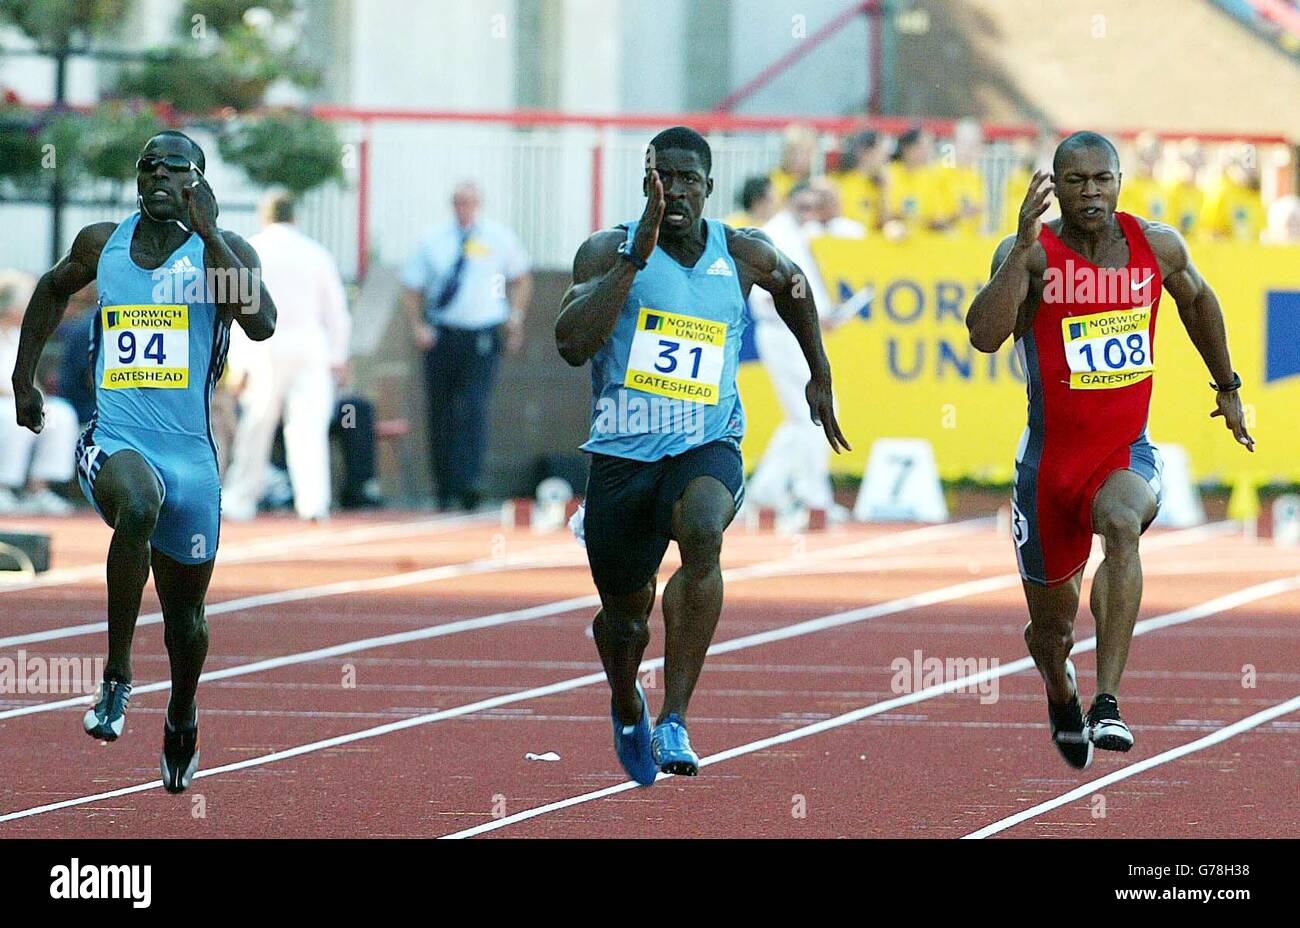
x=426, y=730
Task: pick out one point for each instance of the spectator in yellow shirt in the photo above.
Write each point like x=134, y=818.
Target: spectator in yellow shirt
x=1140, y=192
x=916, y=198
x=1030, y=156
x=861, y=178
x=757, y=203
x=967, y=200
x=1233, y=208
x=1183, y=196
x=797, y=152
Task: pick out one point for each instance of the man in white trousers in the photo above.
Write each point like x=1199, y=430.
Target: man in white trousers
x=795, y=467
x=293, y=376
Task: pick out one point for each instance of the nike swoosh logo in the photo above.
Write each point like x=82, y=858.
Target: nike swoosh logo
x=1142, y=284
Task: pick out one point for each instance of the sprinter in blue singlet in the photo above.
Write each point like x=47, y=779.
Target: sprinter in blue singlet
x=658, y=308
x=170, y=283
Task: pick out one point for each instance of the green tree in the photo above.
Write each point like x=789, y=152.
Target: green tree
x=226, y=15
x=112, y=136
x=289, y=150
x=57, y=22
x=230, y=52
x=20, y=147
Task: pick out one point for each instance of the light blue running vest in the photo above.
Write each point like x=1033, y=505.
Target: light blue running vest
x=665, y=381
x=158, y=346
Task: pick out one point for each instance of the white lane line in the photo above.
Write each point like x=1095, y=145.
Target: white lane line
x=1181, y=616
x=550, y=555
x=753, y=571
x=273, y=547
x=1132, y=770
x=778, y=634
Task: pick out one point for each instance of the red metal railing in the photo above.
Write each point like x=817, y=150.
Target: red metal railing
x=703, y=121
x=731, y=122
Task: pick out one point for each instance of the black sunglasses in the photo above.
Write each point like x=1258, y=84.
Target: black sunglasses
x=175, y=164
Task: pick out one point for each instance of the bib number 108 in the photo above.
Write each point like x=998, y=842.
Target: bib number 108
x=1116, y=354
x=127, y=345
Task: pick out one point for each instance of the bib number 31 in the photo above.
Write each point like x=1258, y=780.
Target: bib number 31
x=677, y=356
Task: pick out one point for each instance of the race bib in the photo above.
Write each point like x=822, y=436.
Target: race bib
x=146, y=346
x=677, y=356
x=1109, y=349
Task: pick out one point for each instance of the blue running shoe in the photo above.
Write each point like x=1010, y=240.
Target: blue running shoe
x=107, y=717
x=632, y=744
x=671, y=745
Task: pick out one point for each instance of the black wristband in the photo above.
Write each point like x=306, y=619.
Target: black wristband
x=1234, y=384
x=625, y=251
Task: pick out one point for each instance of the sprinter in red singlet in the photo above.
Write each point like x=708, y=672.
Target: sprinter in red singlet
x=1080, y=295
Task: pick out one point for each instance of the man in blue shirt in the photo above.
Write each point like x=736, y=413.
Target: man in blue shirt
x=465, y=291
x=657, y=307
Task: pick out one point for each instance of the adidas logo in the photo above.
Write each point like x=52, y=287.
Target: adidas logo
x=719, y=268
x=88, y=458
x=183, y=264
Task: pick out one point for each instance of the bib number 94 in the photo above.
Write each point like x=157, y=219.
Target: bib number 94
x=153, y=351
x=145, y=346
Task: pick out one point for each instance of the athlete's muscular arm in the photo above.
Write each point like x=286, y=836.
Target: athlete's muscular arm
x=45, y=311
x=1199, y=309
x=602, y=280
x=996, y=311
x=768, y=268
x=226, y=251
x=590, y=307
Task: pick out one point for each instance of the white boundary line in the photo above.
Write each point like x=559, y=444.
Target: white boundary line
x=957, y=591
x=520, y=562
x=1191, y=747
x=535, y=558
x=1189, y=614
x=273, y=547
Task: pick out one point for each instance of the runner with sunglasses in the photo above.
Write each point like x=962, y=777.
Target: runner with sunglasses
x=170, y=284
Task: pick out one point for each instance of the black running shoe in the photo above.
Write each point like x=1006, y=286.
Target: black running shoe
x=180, y=755
x=1069, y=733
x=1105, y=727
x=107, y=717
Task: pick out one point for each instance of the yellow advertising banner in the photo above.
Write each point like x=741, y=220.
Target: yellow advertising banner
x=904, y=367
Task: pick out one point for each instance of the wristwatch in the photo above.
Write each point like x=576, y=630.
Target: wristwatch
x=1234, y=384
x=625, y=251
